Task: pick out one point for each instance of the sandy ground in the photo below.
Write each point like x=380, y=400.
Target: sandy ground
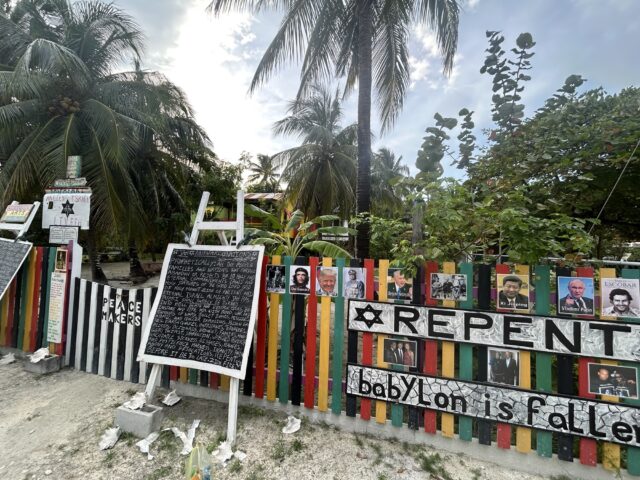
x=50, y=427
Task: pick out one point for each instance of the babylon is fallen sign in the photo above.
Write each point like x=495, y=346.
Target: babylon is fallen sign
x=598, y=420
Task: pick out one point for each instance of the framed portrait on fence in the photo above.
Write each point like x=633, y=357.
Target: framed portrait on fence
x=275, y=279
x=575, y=296
x=326, y=281
x=398, y=351
x=398, y=287
x=300, y=280
x=513, y=292
x=353, y=283
x=448, y=286
x=620, y=297
x=503, y=366
x=613, y=380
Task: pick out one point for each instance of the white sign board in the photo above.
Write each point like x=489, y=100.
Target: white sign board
x=66, y=209
x=59, y=235
x=56, y=307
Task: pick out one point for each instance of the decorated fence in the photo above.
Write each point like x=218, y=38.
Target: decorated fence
x=461, y=345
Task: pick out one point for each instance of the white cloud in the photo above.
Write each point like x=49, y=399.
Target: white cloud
x=212, y=60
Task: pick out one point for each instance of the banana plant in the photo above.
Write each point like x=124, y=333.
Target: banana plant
x=296, y=235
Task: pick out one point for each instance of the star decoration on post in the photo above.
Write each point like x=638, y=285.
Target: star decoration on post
x=369, y=315
x=67, y=208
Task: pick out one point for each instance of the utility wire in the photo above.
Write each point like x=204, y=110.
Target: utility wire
x=614, y=186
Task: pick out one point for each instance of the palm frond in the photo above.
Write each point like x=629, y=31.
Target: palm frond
x=327, y=249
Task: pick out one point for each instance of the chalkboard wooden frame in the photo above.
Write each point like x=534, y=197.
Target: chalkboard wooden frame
x=30, y=245
x=240, y=373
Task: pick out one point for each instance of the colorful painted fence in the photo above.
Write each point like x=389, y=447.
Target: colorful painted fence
x=302, y=347
x=23, y=309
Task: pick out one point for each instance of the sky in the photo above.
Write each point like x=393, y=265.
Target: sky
x=213, y=60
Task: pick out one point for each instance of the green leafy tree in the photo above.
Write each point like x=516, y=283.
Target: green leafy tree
x=320, y=172
x=61, y=96
x=364, y=41
x=296, y=236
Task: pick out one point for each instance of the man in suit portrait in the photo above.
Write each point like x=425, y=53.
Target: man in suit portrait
x=399, y=289
x=510, y=369
x=510, y=296
x=575, y=302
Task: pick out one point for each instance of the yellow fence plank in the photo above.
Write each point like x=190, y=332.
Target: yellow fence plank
x=610, y=451
x=383, y=270
x=523, y=435
x=323, y=359
x=272, y=347
x=448, y=359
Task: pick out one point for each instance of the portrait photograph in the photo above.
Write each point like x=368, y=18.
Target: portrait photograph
x=353, y=283
x=398, y=351
x=575, y=296
x=398, y=287
x=613, y=380
x=276, y=279
x=326, y=281
x=620, y=297
x=513, y=292
x=448, y=286
x=300, y=280
x=61, y=260
x=503, y=366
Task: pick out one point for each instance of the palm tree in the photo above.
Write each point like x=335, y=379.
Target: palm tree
x=385, y=170
x=60, y=97
x=264, y=173
x=362, y=40
x=320, y=172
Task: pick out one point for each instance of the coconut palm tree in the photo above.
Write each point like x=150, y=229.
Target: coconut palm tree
x=362, y=40
x=59, y=96
x=386, y=169
x=264, y=173
x=320, y=172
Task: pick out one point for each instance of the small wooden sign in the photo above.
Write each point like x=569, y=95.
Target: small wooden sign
x=16, y=213
x=61, y=235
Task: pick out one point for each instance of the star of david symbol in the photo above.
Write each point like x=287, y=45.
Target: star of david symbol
x=67, y=208
x=369, y=315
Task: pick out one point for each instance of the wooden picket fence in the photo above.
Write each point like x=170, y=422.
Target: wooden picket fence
x=301, y=347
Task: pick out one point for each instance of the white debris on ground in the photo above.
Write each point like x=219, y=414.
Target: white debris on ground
x=187, y=440
x=109, y=438
x=292, y=426
x=136, y=402
x=145, y=444
x=39, y=355
x=171, y=399
x=7, y=359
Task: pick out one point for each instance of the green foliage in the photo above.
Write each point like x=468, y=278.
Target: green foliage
x=433, y=464
x=264, y=177
x=296, y=236
x=386, y=173
x=433, y=148
x=320, y=173
x=508, y=76
x=386, y=233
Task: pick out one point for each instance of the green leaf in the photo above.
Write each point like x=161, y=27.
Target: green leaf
x=327, y=249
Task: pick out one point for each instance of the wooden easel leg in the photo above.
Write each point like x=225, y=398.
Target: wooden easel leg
x=233, y=411
x=154, y=376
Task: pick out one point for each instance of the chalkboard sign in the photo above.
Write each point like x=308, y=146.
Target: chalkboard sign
x=205, y=310
x=12, y=255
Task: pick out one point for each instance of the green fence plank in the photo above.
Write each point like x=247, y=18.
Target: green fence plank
x=50, y=267
x=542, y=282
x=285, y=338
x=338, y=343
x=465, y=424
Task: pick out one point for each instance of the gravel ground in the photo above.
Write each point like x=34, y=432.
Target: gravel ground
x=50, y=427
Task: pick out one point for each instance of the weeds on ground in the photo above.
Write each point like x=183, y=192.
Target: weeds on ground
x=559, y=477
x=159, y=473
x=128, y=437
x=358, y=441
x=279, y=451
x=108, y=458
x=378, y=450
x=383, y=476
x=432, y=464
x=167, y=442
x=256, y=473
x=235, y=466
x=477, y=474
x=251, y=411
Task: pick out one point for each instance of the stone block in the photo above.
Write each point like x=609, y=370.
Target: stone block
x=139, y=422
x=49, y=364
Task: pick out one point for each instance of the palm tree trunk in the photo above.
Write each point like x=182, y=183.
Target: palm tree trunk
x=97, y=274
x=135, y=268
x=363, y=185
